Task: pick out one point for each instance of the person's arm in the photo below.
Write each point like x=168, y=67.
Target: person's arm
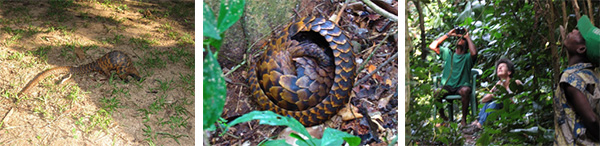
x=472, y=49
x=518, y=82
x=489, y=97
x=435, y=45
x=582, y=108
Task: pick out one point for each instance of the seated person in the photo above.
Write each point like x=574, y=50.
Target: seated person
x=456, y=74
x=504, y=70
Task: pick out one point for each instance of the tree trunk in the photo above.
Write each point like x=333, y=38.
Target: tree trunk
x=590, y=14
x=424, y=50
x=564, y=13
x=408, y=47
x=576, y=8
x=551, y=39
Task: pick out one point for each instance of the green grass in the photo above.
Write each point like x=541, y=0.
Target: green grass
x=58, y=8
x=68, y=51
x=41, y=52
x=143, y=42
x=185, y=39
x=180, y=10
x=188, y=82
x=18, y=34
x=153, y=60
x=110, y=104
x=17, y=56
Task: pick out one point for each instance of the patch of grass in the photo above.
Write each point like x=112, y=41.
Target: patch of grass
x=18, y=33
x=179, y=53
x=180, y=10
x=58, y=8
x=114, y=4
x=110, y=104
x=42, y=52
x=165, y=86
x=122, y=8
x=18, y=56
x=153, y=60
x=166, y=27
x=75, y=93
x=13, y=39
x=57, y=28
x=185, y=39
x=16, y=11
x=175, y=137
x=188, y=81
x=150, y=134
x=173, y=35
x=100, y=119
x=84, y=15
x=42, y=112
x=157, y=105
x=68, y=51
x=117, y=39
x=143, y=42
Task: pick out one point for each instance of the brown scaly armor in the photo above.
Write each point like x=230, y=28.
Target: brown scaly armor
x=307, y=72
x=114, y=60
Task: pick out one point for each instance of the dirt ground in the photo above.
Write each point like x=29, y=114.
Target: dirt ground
x=92, y=109
x=376, y=96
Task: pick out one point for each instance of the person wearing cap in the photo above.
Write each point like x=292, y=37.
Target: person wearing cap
x=577, y=97
x=456, y=74
x=505, y=70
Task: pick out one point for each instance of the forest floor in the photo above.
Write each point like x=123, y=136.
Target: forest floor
x=377, y=95
x=92, y=109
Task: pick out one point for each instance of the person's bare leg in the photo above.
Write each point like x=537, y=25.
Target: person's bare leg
x=439, y=100
x=465, y=92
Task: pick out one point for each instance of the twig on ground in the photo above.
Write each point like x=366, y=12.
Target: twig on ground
x=384, y=40
x=381, y=11
x=7, y=115
x=378, y=68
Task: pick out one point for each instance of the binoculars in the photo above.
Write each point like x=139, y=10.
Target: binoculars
x=459, y=30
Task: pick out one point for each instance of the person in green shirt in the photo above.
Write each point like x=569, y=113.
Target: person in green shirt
x=456, y=74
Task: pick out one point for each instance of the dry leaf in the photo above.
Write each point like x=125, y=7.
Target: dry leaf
x=371, y=68
x=80, y=54
x=350, y=113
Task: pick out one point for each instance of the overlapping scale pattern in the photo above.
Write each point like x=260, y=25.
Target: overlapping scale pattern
x=307, y=72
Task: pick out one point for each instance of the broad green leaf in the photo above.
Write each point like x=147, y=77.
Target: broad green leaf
x=270, y=118
x=214, y=90
x=467, y=13
x=209, y=23
x=230, y=12
x=336, y=137
x=301, y=141
x=468, y=21
x=278, y=142
x=214, y=43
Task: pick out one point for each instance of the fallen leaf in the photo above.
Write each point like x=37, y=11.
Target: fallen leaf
x=350, y=113
x=371, y=68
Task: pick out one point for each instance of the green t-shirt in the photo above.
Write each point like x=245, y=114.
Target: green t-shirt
x=461, y=64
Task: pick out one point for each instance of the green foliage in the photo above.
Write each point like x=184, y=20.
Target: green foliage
x=214, y=90
x=230, y=12
x=330, y=136
x=513, y=33
x=214, y=84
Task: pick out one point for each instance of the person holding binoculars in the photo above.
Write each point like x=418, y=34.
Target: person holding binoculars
x=456, y=74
